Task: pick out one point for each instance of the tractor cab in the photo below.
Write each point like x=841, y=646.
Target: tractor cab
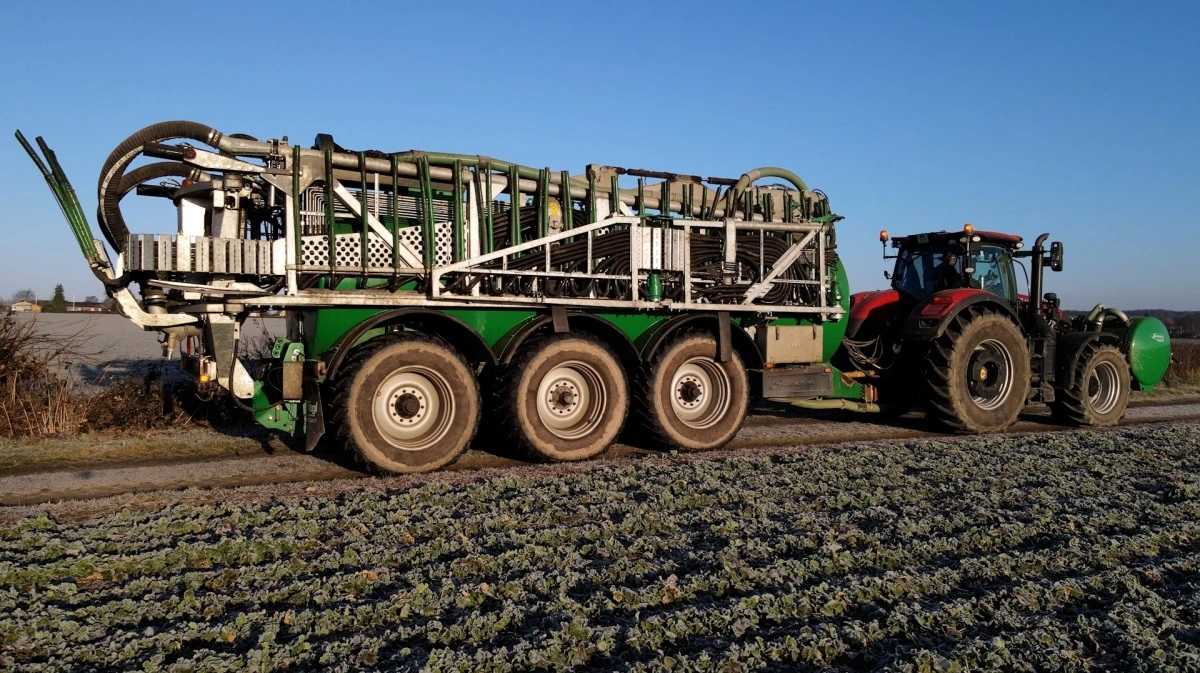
x=934, y=262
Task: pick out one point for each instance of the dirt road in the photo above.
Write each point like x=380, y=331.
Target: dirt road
x=769, y=426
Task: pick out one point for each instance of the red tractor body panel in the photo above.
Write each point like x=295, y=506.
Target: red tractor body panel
x=930, y=317
x=875, y=307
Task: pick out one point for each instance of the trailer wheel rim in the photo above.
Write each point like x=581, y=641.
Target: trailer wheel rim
x=1103, y=387
x=571, y=399
x=700, y=392
x=413, y=408
x=990, y=374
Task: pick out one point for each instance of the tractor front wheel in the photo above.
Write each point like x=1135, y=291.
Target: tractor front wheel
x=1098, y=393
x=978, y=377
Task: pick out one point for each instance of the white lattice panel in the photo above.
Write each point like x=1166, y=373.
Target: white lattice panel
x=315, y=251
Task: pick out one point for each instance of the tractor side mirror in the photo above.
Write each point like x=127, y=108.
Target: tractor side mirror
x=1056, y=256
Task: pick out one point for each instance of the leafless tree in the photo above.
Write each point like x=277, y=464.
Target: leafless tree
x=24, y=295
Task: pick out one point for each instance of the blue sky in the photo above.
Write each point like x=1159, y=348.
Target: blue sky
x=1076, y=118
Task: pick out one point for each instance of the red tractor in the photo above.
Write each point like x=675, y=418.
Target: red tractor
x=955, y=321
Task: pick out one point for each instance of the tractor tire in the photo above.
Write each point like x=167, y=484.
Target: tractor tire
x=1098, y=393
x=978, y=374
x=688, y=400
x=564, y=398
x=406, y=403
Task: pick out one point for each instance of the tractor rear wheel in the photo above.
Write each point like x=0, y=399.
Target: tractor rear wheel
x=1098, y=393
x=564, y=398
x=978, y=376
x=690, y=401
x=406, y=403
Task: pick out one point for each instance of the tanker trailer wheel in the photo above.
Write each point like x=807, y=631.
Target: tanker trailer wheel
x=1098, y=393
x=978, y=373
x=406, y=403
x=690, y=401
x=564, y=398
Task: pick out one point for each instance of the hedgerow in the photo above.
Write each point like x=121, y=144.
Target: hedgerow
x=1056, y=551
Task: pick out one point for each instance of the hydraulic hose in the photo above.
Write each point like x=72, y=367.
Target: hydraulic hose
x=108, y=192
x=749, y=178
x=162, y=169
x=108, y=189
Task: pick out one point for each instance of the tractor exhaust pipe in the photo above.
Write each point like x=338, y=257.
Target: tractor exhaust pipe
x=1035, y=279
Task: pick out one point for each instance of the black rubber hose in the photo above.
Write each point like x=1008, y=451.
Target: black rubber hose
x=108, y=192
x=162, y=169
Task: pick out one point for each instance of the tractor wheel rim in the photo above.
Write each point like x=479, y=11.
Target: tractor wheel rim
x=700, y=392
x=995, y=366
x=571, y=400
x=1106, y=382
x=413, y=408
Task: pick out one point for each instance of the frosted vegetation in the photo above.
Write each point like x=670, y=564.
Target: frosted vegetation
x=1034, y=552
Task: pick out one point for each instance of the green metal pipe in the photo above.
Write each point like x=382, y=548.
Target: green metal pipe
x=543, y=207
x=395, y=213
x=531, y=176
x=460, y=238
x=297, y=219
x=364, y=257
x=491, y=230
x=428, y=234
x=74, y=217
x=329, y=214
x=848, y=405
x=568, y=212
x=514, y=211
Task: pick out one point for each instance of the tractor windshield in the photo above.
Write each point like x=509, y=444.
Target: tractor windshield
x=993, y=271
x=920, y=272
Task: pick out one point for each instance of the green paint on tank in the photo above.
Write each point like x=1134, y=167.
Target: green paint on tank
x=492, y=324
x=832, y=332
x=324, y=327
x=1149, y=351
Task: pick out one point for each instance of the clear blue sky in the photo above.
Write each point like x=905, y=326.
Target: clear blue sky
x=1077, y=118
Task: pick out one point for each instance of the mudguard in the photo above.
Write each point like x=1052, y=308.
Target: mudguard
x=1071, y=345
x=871, y=307
x=456, y=332
x=931, y=317
x=740, y=341
x=608, y=332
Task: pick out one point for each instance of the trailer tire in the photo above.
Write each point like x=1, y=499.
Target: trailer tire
x=978, y=373
x=564, y=398
x=1098, y=392
x=406, y=403
x=688, y=400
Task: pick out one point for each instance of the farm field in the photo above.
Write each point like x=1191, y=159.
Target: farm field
x=1063, y=551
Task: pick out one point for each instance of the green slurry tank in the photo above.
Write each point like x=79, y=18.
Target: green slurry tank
x=425, y=291
x=1148, y=344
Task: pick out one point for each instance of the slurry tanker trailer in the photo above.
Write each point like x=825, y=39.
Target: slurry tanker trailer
x=424, y=291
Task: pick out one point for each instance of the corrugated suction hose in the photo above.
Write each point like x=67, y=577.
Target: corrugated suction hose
x=112, y=175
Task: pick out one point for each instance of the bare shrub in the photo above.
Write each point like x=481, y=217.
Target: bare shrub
x=36, y=397
x=40, y=396
x=1185, y=363
x=153, y=401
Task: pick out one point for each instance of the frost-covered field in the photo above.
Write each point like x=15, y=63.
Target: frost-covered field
x=1034, y=552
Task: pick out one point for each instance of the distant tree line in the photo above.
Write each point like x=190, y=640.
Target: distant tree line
x=57, y=303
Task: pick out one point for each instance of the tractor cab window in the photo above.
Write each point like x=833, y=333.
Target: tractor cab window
x=992, y=270
x=922, y=271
